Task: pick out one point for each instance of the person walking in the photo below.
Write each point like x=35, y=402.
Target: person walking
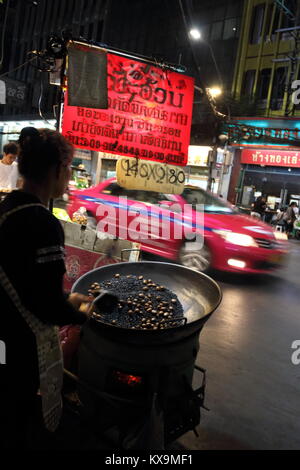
x=289, y=217
x=33, y=303
x=259, y=208
x=9, y=174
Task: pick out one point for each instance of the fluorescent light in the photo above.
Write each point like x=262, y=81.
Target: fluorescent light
x=236, y=263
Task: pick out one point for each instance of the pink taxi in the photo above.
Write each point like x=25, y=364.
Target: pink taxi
x=195, y=229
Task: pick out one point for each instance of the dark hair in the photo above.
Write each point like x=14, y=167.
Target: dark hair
x=11, y=148
x=41, y=150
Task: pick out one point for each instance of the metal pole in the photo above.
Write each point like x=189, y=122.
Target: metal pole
x=212, y=159
x=197, y=66
x=221, y=180
x=240, y=193
x=222, y=169
x=60, y=100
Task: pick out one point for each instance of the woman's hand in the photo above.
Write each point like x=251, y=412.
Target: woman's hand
x=77, y=300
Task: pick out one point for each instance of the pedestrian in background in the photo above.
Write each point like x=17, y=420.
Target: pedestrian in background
x=289, y=217
x=9, y=174
x=259, y=207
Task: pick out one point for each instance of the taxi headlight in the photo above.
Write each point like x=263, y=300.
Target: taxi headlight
x=234, y=238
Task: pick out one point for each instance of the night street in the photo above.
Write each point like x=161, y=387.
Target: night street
x=149, y=206
x=252, y=386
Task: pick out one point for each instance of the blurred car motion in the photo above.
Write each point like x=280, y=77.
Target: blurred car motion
x=232, y=241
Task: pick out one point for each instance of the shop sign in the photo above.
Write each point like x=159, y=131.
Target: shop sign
x=253, y=131
x=150, y=176
x=249, y=135
x=148, y=116
x=271, y=157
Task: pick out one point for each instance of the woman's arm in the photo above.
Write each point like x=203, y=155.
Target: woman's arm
x=46, y=298
x=44, y=295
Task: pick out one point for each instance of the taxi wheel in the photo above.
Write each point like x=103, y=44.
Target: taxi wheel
x=199, y=260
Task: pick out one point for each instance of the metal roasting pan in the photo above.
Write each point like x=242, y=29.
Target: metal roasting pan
x=198, y=293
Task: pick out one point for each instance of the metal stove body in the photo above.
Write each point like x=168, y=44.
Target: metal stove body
x=140, y=382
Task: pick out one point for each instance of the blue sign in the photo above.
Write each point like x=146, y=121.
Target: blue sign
x=249, y=131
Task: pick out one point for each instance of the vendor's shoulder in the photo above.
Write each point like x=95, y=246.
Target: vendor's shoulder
x=45, y=217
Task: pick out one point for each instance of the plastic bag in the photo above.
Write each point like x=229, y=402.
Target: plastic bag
x=80, y=216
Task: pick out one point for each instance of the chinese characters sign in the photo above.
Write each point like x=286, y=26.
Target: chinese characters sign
x=148, y=116
x=271, y=157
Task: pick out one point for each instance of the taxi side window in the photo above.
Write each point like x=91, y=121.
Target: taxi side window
x=150, y=197
x=136, y=195
x=115, y=190
x=193, y=196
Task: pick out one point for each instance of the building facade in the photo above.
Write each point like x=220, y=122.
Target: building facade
x=151, y=28
x=267, y=136
x=268, y=57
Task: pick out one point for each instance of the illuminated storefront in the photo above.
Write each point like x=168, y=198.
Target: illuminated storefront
x=197, y=169
x=268, y=160
x=10, y=130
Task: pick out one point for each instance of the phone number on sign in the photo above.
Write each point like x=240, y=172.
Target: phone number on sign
x=123, y=149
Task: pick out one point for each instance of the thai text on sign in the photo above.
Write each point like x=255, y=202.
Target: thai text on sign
x=151, y=176
x=271, y=157
x=148, y=116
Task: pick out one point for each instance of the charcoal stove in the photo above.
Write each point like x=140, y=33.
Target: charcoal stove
x=137, y=384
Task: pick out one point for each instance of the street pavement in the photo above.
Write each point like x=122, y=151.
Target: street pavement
x=253, y=388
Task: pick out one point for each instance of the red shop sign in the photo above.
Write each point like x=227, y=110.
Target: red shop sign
x=149, y=114
x=271, y=157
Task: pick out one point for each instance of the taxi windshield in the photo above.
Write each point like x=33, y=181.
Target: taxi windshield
x=213, y=204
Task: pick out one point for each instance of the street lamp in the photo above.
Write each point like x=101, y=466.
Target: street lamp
x=212, y=93
x=215, y=91
x=196, y=35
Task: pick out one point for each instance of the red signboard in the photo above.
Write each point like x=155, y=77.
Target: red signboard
x=271, y=157
x=149, y=114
